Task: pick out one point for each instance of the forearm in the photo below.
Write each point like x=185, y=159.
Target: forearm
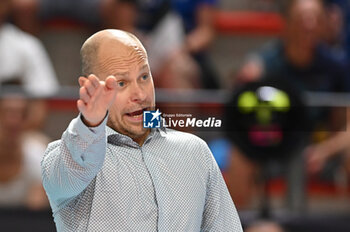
x=338, y=142
x=201, y=36
x=199, y=39
x=70, y=164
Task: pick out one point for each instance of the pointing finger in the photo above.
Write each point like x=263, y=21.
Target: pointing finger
x=111, y=82
x=81, y=105
x=84, y=95
x=89, y=87
x=82, y=81
x=94, y=80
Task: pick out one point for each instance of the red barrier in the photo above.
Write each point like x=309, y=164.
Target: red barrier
x=237, y=22
x=226, y=22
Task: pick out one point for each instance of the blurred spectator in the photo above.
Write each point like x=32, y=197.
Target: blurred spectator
x=334, y=28
x=176, y=35
x=123, y=15
x=28, y=14
x=20, y=156
x=23, y=56
x=183, y=62
x=198, y=22
x=340, y=9
x=298, y=58
x=161, y=30
x=24, y=61
x=299, y=55
x=162, y=33
x=338, y=38
x=319, y=154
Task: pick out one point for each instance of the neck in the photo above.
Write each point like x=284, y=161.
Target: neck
x=299, y=54
x=9, y=153
x=140, y=140
x=10, y=163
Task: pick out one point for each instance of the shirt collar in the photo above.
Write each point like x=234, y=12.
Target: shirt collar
x=115, y=137
x=162, y=131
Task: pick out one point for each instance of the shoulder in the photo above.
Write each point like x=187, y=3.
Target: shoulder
x=189, y=148
x=269, y=54
x=13, y=31
x=181, y=138
x=187, y=142
x=329, y=56
x=331, y=61
x=271, y=50
x=50, y=148
x=21, y=38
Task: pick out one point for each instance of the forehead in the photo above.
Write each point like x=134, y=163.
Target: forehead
x=13, y=103
x=306, y=6
x=5, y=3
x=114, y=55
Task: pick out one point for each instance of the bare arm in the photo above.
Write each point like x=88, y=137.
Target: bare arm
x=318, y=154
x=201, y=37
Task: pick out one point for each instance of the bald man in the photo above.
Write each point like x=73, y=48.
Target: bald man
x=108, y=173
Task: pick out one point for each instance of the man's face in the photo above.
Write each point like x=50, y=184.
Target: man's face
x=5, y=8
x=306, y=21
x=135, y=89
x=12, y=115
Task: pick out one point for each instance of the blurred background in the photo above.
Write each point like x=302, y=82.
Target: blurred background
x=275, y=71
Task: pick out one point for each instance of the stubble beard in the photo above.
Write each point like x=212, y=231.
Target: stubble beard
x=122, y=128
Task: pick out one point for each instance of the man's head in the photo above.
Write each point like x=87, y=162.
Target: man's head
x=121, y=54
x=5, y=8
x=13, y=112
x=305, y=20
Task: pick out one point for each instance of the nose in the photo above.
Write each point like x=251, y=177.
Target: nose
x=309, y=22
x=137, y=93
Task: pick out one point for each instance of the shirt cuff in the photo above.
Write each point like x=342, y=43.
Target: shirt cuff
x=88, y=134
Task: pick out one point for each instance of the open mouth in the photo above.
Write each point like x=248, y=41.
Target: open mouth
x=137, y=113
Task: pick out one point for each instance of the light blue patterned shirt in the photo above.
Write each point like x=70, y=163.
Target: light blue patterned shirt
x=99, y=180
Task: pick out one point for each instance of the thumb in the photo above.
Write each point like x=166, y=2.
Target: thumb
x=111, y=82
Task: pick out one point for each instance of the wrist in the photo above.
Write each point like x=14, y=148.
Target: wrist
x=89, y=123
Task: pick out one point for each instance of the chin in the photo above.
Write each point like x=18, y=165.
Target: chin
x=136, y=131
x=140, y=132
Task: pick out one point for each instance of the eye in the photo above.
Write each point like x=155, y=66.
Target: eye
x=144, y=77
x=121, y=83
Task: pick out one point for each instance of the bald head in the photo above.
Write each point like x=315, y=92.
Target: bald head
x=124, y=44
x=304, y=7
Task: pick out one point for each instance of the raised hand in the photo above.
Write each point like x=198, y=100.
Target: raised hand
x=95, y=98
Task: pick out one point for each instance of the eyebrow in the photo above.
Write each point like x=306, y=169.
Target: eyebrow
x=121, y=74
x=125, y=74
x=145, y=66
